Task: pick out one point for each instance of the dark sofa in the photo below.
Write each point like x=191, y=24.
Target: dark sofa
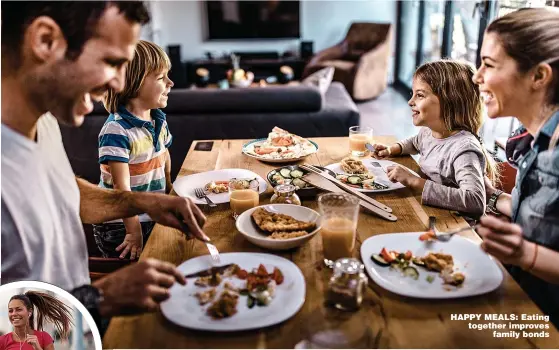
x=204, y=114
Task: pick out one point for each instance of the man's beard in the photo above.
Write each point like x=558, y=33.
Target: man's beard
x=53, y=92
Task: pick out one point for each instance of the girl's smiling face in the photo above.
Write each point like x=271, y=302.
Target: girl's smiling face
x=425, y=106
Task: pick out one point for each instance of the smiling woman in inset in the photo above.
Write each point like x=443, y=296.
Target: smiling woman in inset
x=519, y=77
x=24, y=310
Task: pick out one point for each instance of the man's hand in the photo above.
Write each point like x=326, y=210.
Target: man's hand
x=137, y=288
x=505, y=242
x=398, y=173
x=177, y=212
x=133, y=244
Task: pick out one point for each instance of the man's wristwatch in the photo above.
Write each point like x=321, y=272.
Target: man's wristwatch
x=91, y=298
x=492, y=203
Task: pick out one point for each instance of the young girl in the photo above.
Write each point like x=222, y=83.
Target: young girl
x=447, y=104
x=133, y=146
x=24, y=309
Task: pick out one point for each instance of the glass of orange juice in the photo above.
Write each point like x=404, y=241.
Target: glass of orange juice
x=243, y=195
x=359, y=136
x=339, y=213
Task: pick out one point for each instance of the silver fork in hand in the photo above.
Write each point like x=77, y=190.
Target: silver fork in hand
x=446, y=236
x=200, y=194
x=214, y=253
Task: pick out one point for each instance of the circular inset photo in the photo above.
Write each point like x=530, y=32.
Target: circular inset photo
x=40, y=316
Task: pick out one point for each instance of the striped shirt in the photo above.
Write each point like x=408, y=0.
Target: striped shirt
x=142, y=144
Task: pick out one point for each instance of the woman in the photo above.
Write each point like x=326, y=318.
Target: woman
x=23, y=310
x=519, y=76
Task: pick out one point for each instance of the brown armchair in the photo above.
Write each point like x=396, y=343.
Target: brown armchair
x=360, y=60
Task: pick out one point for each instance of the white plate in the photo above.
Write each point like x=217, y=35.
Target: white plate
x=250, y=144
x=185, y=185
x=253, y=234
x=380, y=173
x=182, y=307
x=482, y=272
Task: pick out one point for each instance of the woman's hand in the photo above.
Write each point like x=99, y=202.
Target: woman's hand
x=33, y=341
x=398, y=173
x=381, y=151
x=133, y=244
x=505, y=242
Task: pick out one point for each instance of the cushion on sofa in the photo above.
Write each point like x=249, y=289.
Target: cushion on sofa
x=284, y=99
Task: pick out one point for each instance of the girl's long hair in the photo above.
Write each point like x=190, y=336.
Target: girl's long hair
x=45, y=307
x=460, y=100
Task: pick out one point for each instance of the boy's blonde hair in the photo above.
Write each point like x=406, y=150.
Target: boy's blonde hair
x=148, y=58
x=460, y=100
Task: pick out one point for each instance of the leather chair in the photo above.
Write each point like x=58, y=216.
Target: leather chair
x=361, y=60
x=99, y=266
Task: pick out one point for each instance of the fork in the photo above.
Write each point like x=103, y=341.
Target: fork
x=446, y=236
x=214, y=253
x=211, y=248
x=200, y=194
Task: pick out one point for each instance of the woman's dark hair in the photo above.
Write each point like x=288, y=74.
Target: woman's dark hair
x=49, y=309
x=531, y=36
x=77, y=20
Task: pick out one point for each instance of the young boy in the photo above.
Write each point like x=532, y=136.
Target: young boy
x=133, y=147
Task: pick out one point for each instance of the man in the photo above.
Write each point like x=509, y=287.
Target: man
x=57, y=57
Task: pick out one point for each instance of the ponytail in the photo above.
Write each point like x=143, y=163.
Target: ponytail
x=49, y=309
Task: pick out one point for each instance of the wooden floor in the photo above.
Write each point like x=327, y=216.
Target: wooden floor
x=388, y=114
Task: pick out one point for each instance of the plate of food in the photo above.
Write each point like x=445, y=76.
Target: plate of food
x=215, y=184
x=292, y=174
x=365, y=175
x=247, y=291
x=278, y=226
x=406, y=265
x=280, y=147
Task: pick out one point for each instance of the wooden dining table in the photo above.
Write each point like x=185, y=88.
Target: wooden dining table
x=395, y=321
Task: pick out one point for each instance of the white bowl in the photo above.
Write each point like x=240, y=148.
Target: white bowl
x=253, y=234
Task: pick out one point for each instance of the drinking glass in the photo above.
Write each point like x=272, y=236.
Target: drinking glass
x=359, y=136
x=243, y=195
x=327, y=328
x=339, y=213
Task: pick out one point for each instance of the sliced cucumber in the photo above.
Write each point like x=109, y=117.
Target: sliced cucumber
x=296, y=173
x=285, y=172
x=299, y=183
x=245, y=184
x=377, y=259
x=354, y=180
x=254, y=183
x=412, y=272
x=250, y=302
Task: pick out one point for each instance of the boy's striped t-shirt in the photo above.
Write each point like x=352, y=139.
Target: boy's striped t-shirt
x=142, y=144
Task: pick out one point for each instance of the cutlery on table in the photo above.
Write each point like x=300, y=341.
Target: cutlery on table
x=320, y=182
x=214, y=253
x=446, y=236
x=199, y=192
x=346, y=187
x=209, y=272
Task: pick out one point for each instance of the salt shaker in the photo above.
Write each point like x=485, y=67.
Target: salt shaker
x=345, y=289
x=285, y=194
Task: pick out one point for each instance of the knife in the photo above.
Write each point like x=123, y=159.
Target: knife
x=209, y=272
